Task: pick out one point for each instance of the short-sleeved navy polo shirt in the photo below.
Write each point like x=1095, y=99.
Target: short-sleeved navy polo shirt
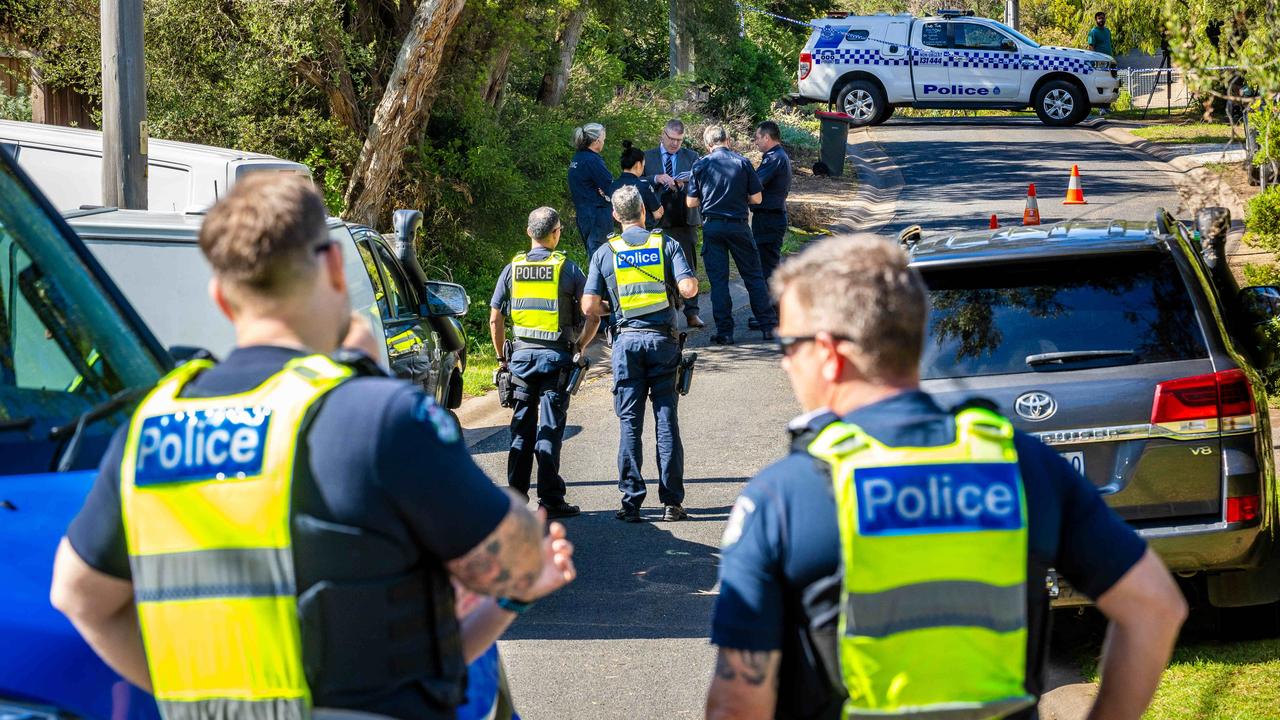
x=775, y=177
x=647, y=196
x=721, y=181
x=782, y=537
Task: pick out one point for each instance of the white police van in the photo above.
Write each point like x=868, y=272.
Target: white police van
x=868, y=65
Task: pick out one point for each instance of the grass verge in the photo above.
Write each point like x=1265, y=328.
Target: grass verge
x=478, y=377
x=1230, y=681
x=1187, y=134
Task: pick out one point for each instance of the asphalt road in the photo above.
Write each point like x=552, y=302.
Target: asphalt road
x=629, y=638
x=958, y=171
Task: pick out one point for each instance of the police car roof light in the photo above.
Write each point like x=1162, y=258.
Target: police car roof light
x=838, y=14
x=954, y=13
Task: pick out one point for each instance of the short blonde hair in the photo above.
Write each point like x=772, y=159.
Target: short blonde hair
x=262, y=236
x=861, y=289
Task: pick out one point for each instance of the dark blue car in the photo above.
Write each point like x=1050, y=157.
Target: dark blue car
x=73, y=356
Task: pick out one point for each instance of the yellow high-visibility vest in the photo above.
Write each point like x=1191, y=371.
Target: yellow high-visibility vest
x=640, y=272
x=934, y=548
x=535, y=297
x=205, y=489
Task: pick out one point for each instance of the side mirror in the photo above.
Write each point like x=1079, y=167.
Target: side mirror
x=1259, y=307
x=445, y=299
x=1260, y=303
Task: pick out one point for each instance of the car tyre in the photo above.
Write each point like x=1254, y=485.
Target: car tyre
x=884, y=115
x=863, y=101
x=1059, y=103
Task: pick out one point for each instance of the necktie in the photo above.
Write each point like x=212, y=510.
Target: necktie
x=669, y=164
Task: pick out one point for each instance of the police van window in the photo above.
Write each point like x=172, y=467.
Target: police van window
x=972, y=36
x=397, y=288
x=934, y=34
x=857, y=35
x=988, y=321
x=375, y=276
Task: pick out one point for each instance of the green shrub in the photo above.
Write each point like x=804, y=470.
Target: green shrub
x=1262, y=274
x=16, y=107
x=1124, y=101
x=743, y=73
x=1262, y=219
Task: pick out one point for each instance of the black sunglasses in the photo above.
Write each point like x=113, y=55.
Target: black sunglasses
x=786, y=343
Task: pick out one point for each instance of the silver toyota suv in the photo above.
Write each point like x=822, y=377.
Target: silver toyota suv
x=1128, y=347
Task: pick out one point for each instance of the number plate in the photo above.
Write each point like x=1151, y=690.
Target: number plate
x=1076, y=458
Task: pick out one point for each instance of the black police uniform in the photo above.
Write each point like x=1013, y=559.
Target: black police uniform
x=589, y=183
x=769, y=218
x=539, y=415
x=722, y=180
x=375, y=517
x=780, y=570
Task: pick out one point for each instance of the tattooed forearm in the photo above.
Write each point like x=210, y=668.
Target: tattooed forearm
x=752, y=667
x=509, y=561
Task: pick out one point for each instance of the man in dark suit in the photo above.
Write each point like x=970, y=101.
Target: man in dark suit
x=667, y=168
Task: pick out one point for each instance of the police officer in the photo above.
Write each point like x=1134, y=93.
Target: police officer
x=631, y=164
x=636, y=270
x=916, y=588
x=769, y=217
x=589, y=182
x=543, y=291
x=282, y=530
x=667, y=167
x=722, y=185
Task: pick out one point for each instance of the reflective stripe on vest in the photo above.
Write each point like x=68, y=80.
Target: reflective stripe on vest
x=640, y=273
x=934, y=550
x=535, y=297
x=205, y=492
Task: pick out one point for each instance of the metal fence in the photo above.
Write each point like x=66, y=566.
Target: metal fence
x=1162, y=89
x=1156, y=89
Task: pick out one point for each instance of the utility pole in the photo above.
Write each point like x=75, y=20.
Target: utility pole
x=1011, y=14
x=124, y=106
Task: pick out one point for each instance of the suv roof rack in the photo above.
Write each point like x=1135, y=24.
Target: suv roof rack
x=954, y=13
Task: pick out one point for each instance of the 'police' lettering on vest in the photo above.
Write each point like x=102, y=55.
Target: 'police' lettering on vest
x=535, y=273
x=639, y=258
x=201, y=444
x=960, y=497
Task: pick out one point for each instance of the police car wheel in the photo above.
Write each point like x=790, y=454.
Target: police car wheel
x=1061, y=103
x=884, y=115
x=862, y=100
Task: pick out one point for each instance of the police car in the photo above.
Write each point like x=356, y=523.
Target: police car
x=868, y=65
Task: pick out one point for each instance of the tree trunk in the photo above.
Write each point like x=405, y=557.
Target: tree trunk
x=555, y=81
x=403, y=110
x=335, y=81
x=494, y=89
x=680, y=56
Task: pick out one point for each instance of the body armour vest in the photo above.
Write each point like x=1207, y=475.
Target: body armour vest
x=206, y=489
x=932, y=619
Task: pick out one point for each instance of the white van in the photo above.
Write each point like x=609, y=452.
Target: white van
x=66, y=163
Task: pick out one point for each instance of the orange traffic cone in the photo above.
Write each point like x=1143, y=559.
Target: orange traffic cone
x=1075, y=196
x=994, y=222
x=1031, y=216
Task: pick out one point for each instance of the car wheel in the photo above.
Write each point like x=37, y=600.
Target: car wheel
x=884, y=115
x=861, y=100
x=1060, y=103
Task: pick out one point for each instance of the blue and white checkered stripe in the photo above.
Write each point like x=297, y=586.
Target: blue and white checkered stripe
x=854, y=57
x=972, y=59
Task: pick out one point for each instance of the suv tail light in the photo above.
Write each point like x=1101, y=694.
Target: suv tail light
x=1242, y=509
x=806, y=64
x=1221, y=400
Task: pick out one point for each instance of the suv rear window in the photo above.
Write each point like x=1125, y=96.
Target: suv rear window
x=1125, y=309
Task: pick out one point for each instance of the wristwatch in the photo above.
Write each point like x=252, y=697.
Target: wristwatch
x=513, y=605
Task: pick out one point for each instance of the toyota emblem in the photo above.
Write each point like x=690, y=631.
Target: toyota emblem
x=1035, y=406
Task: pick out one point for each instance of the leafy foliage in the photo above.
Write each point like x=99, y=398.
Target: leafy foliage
x=1262, y=218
